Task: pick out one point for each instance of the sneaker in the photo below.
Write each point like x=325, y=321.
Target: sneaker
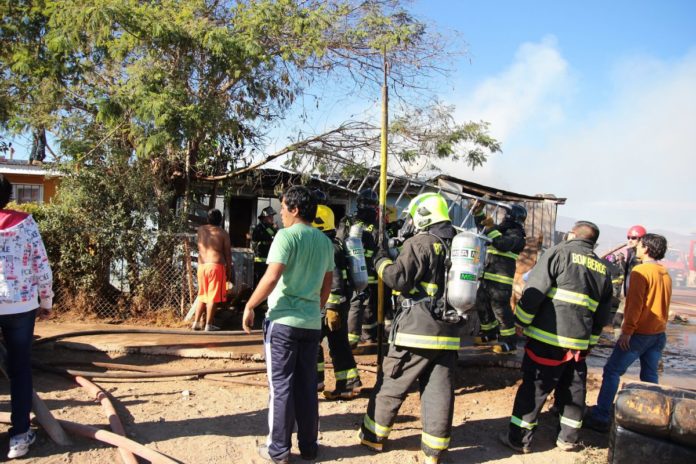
x=590, y=422
x=483, y=339
x=430, y=459
x=263, y=453
x=197, y=326
x=374, y=446
x=505, y=440
x=211, y=328
x=19, y=444
x=504, y=348
x=566, y=445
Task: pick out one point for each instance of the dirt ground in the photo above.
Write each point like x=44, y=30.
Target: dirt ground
x=204, y=421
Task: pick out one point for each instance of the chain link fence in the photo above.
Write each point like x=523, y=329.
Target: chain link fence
x=159, y=276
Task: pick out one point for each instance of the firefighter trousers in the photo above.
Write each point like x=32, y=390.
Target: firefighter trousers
x=362, y=316
x=494, y=311
x=345, y=372
x=567, y=380
x=434, y=370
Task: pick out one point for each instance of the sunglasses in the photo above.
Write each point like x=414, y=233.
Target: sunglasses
x=632, y=238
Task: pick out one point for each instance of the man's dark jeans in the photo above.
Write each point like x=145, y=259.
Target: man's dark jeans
x=647, y=348
x=18, y=332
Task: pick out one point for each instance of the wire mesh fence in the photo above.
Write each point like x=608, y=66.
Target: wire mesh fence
x=157, y=276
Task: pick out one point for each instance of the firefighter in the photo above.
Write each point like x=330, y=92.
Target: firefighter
x=563, y=309
x=494, y=292
x=335, y=316
x=261, y=239
x=633, y=235
x=362, y=317
x=422, y=346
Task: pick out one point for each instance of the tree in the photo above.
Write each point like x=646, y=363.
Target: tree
x=193, y=85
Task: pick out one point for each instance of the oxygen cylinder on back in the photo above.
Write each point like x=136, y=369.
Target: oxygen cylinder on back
x=466, y=252
x=356, y=257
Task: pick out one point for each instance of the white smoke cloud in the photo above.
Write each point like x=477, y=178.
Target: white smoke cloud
x=628, y=159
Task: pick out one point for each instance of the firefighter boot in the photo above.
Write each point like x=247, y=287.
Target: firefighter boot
x=430, y=459
x=347, y=392
x=372, y=445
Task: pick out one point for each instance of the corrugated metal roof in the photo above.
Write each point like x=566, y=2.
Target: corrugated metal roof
x=496, y=193
x=23, y=167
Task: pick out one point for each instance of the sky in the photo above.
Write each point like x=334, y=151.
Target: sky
x=592, y=101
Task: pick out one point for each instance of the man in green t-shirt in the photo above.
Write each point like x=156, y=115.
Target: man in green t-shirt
x=297, y=284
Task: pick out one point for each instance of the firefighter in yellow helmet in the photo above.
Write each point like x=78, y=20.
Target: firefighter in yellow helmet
x=422, y=345
x=334, y=317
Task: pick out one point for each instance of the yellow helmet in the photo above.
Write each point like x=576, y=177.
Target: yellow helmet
x=324, y=220
x=427, y=209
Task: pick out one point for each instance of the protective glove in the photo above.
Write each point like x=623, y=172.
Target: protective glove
x=382, y=252
x=333, y=319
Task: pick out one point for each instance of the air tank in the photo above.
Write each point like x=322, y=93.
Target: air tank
x=466, y=268
x=356, y=257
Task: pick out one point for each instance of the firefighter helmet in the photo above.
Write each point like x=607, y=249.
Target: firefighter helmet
x=324, y=220
x=636, y=231
x=321, y=196
x=367, y=199
x=268, y=211
x=517, y=213
x=427, y=209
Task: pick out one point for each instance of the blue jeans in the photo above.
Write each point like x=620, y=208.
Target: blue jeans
x=18, y=332
x=647, y=348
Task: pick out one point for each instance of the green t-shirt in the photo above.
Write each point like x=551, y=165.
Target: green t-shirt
x=308, y=255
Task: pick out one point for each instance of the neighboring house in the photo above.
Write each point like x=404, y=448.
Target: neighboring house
x=30, y=183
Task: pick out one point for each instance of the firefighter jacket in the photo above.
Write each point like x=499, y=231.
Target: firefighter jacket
x=508, y=240
x=419, y=274
x=567, y=300
x=341, y=286
x=631, y=262
x=261, y=238
x=369, y=241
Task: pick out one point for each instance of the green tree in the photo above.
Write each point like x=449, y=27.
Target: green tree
x=193, y=85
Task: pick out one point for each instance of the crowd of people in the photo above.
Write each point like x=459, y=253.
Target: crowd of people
x=306, y=282
x=568, y=299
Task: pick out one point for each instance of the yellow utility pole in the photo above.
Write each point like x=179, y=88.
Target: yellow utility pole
x=382, y=213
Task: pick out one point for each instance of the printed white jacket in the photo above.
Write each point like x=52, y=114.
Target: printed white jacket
x=26, y=279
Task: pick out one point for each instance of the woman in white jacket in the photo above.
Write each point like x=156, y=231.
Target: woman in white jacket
x=26, y=292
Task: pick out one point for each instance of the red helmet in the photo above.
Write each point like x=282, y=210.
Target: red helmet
x=636, y=231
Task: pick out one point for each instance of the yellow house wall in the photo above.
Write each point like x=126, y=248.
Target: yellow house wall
x=50, y=185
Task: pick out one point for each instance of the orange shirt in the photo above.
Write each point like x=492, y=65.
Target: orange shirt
x=647, y=301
